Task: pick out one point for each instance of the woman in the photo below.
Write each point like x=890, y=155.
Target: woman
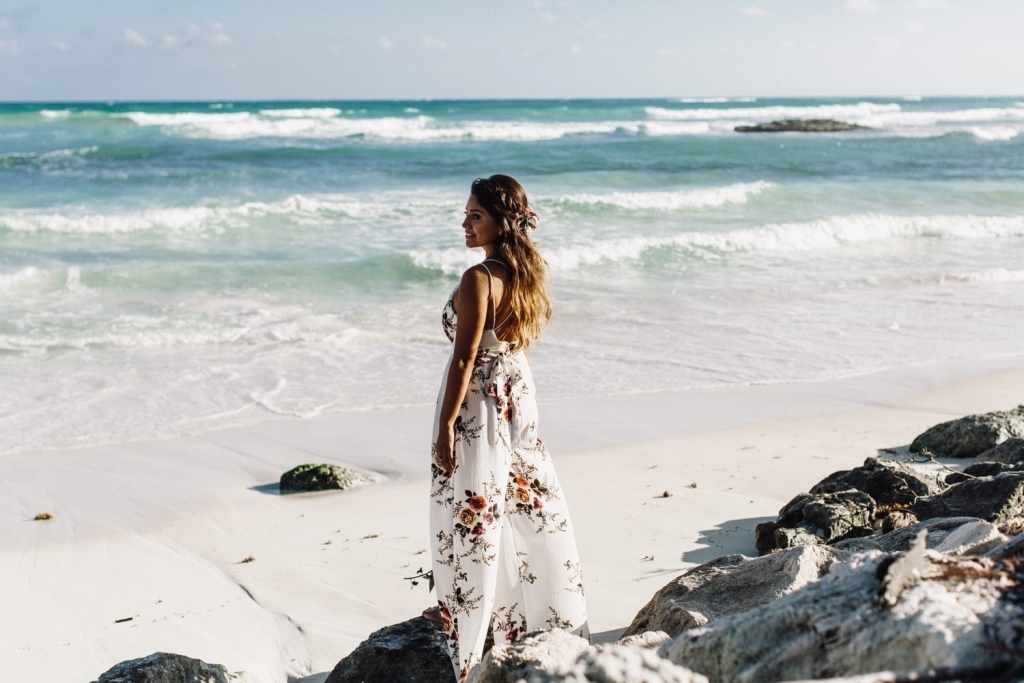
x=504, y=556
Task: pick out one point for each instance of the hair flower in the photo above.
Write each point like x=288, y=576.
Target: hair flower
x=528, y=222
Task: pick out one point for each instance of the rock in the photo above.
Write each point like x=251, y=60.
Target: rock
x=800, y=126
x=1009, y=452
x=323, y=478
x=958, y=613
x=888, y=482
x=817, y=518
x=898, y=519
x=938, y=529
x=974, y=539
x=971, y=436
x=981, y=469
x=164, y=667
x=414, y=650
x=855, y=545
x=537, y=654
x=1012, y=548
x=620, y=664
x=650, y=640
x=899, y=572
x=728, y=585
x=995, y=499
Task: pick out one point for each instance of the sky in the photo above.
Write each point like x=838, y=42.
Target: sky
x=65, y=50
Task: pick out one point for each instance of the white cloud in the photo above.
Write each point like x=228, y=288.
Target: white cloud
x=193, y=29
x=134, y=38
x=862, y=5
x=217, y=36
x=753, y=11
x=574, y=48
x=60, y=45
x=171, y=41
x=8, y=47
x=5, y=24
x=916, y=27
x=666, y=51
x=929, y=4
x=433, y=43
x=548, y=16
x=385, y=43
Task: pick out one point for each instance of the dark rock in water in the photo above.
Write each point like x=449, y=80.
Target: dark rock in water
x=164, y=667
x=835, y=627
x=800, y=126
x=817, y=518
x=414, y=651
x=728, y=585
x=888, y=482
x=971, y=436
x=1009, y=452
x=322, y=478
x=994, y=499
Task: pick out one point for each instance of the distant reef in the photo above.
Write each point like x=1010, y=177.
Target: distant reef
x=801, y=126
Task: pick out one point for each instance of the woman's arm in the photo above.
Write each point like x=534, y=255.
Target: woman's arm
x=471, y=305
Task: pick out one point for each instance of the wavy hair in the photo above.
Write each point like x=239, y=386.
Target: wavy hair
x=505, y=200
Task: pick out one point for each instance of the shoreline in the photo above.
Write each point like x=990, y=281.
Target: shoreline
x=158, y=531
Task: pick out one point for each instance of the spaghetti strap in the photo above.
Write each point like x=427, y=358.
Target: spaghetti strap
x=490, y=295
x=494, y=309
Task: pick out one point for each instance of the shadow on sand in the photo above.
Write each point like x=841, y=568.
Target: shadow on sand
x=733, y=537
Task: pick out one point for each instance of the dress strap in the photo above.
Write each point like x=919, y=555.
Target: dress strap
x=494, y=313
x=490, y=295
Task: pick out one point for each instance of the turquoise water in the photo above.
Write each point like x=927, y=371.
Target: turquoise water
x=167, y=268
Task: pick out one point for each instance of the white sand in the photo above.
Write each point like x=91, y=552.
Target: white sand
x=157, y=531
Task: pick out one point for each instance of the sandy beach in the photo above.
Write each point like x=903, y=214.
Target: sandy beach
x=148, y=543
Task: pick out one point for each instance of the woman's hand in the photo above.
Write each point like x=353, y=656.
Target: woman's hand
x=444, y=448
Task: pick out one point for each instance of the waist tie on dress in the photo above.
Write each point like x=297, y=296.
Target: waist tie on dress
x=502, y=380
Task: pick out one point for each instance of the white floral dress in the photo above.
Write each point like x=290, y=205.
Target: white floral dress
x=504, y=556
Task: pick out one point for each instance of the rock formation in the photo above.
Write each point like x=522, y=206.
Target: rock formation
x=947, y=612
x=322, y=478
x=1009, y=452
x=971, y=436
x=728, y=585
x=619, y=664
x=996, y=499
x=800, y=126
x=539, y=653
x=164, y=667
x=414, y=651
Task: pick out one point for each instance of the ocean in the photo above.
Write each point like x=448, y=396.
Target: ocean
x=171, y=268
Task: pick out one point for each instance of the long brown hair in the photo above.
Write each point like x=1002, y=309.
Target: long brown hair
x=505, y=200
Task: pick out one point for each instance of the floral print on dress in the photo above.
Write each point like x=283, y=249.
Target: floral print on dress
x=500, y=507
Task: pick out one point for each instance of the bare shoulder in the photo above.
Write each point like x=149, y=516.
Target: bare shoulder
x=474, y=281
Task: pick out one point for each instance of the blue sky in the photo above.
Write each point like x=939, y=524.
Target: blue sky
x=321, y=49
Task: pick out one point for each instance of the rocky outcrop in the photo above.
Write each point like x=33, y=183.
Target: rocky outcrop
x=164, y=667
x=900, y=539
x=888, y=482
x=322, y=478
x=414, y=651
x=995, y=499
x=811, y=519
x=557, y=656
x=971, y=436
x=972, y=540
x=1009, y=452
x=800, y=126
x=537, y=654
x=728, y=585
x=649, y=640
x=849, y=504
x=982, y=469
x=619, y=664
x=915, y=610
